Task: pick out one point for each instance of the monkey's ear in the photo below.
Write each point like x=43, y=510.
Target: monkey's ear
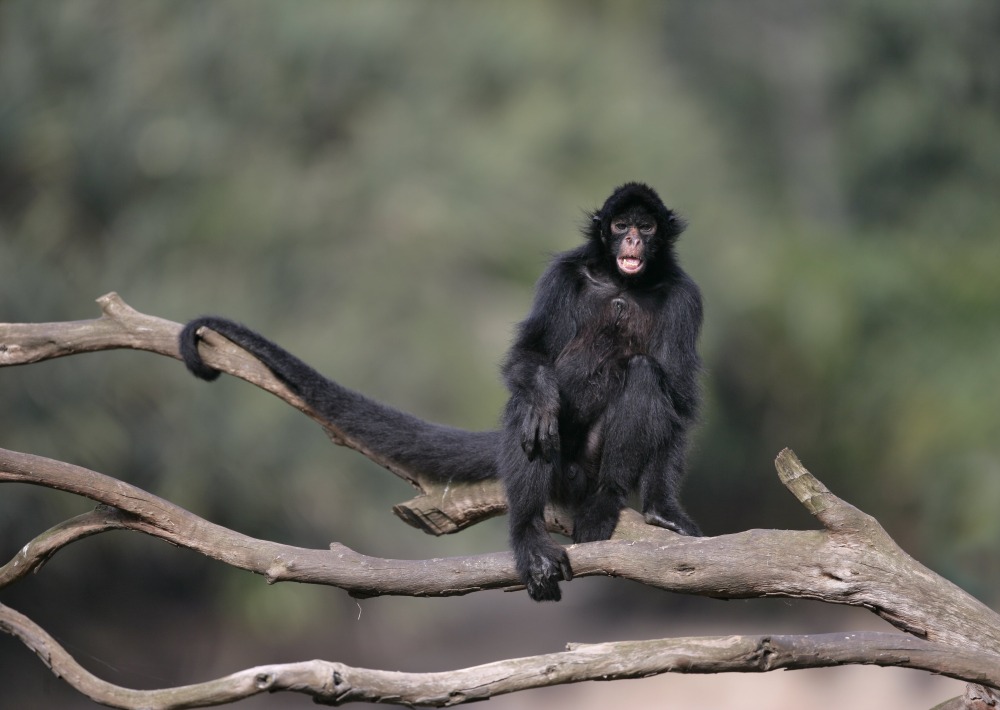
x=592, y=228
x=596, y=223
x=676, y=224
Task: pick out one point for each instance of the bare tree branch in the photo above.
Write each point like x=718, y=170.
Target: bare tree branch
x=135, y=509
x=337, y=684
x=119, y=327
x=860, y=568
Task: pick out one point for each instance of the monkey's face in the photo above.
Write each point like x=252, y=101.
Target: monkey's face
x=633, y=234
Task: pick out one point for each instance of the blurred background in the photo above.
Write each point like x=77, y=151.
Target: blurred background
x=378, y=185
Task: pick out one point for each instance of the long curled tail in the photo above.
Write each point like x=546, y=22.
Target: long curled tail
x=439, y=452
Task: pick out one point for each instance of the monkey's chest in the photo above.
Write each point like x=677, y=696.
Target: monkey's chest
x=620, y=328
x=616, y=329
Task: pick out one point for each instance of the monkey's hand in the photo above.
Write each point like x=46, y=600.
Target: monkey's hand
x=540, y=424
x=540, y=433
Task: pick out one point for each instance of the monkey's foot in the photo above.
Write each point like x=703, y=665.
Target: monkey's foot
x=592, y=524
x=542, y=571
x=679, y=522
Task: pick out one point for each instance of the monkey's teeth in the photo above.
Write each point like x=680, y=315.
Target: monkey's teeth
x=630, y=264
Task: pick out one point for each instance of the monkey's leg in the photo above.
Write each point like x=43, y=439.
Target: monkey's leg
x=635, y=438
x=541, y=563
x=661, y=484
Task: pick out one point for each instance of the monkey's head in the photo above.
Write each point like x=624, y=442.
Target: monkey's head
x=635, y=229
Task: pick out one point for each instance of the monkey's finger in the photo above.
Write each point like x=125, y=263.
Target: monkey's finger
x=552, y=432
x=529, y=436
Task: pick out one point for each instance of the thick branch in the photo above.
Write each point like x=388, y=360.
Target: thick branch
x=832, y=566
x=336, y=684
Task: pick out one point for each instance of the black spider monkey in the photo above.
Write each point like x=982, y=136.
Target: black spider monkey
x=603, y=380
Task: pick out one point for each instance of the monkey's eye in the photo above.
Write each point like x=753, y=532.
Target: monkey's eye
x=647, y=229
x=619, y=227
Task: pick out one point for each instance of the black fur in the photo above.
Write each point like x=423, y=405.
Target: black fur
x=603, y=378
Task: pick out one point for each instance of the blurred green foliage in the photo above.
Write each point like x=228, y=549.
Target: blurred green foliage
x=377, y=185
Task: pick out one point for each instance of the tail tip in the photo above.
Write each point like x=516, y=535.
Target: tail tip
x=188, y=342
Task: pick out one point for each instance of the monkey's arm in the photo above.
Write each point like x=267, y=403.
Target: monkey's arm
x=529, y=369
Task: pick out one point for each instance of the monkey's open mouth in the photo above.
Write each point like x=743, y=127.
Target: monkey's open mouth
x=630, y=265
